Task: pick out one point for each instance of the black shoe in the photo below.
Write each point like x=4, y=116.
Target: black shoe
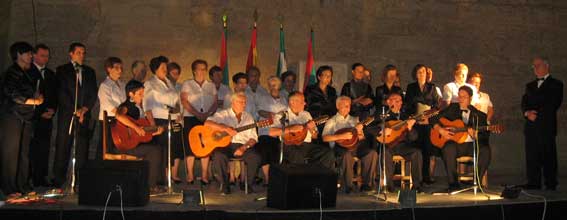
x=204, y=183
x=176, y=181
x=242, y=186
x=226, y=190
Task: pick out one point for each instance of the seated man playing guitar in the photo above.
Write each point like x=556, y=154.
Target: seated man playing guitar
x=402, y=143
x=463, y=110
x=241, y=143
x=301, y=123
x=127, y=113
x=345, y=155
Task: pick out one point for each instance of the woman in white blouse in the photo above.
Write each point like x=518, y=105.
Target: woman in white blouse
x=483, y=103
x=199, y=100
x=160, y=101
x=268, y=106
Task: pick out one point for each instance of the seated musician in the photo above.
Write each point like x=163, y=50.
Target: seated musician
x=463, y=110
x=132, y=109
x=241, y=144
x=299, y=119
x=345, y=156
x=403, y=145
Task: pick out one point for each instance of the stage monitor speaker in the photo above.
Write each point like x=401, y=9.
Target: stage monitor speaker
x=101, y=177
x=301, y=186
x=407, y=198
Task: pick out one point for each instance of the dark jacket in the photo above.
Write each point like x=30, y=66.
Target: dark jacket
x=66, y=76
x=414, y=95
x=47, y=87
x=382, y=93
x=453, y=112
x=366, y=91
x=546, y=100
x=17, y=87
x=320, y=104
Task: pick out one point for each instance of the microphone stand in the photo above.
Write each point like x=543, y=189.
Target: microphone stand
x=382, y=190
x=73, y=127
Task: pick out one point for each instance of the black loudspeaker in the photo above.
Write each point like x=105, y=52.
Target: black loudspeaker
x=301, y=186
x=99, y=178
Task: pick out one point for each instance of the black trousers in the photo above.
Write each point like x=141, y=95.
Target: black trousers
x=345, y=159
x=176, y=143
x=64, y=146
x=310, y=153
x=541, y=153
x=14, y=154
x=221, y=158
x=427, y=149
x=39, y=151
x=151, y=153
x=408, y=152
x=269, y=149
x=452, y=150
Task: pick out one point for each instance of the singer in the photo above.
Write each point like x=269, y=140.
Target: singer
x=67, y=76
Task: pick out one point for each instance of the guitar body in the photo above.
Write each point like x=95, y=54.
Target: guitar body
x=350, y=143
x=295, y=138
x=126, y=138
x=439, y=141
x=204, y=141
x=396, y=133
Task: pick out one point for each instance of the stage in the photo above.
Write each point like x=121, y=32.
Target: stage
x=348, y=206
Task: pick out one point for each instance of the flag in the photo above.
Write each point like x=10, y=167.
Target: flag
x=223, y=53
x=282, y=64
x=310, y=64
x=252, y=52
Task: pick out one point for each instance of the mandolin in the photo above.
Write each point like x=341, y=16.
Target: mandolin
x=349, y=144
x=203, y=140
x=297, y=138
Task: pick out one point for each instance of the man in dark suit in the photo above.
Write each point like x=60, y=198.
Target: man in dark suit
x=463, y=110
x=67, y=75
x=540, y=103
x=41, y=142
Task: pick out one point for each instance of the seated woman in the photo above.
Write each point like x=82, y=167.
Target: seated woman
x=130, y=110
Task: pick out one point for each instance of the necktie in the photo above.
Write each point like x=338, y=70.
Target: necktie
x=42, y=71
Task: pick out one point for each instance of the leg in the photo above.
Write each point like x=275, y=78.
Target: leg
x=346, y=163
x=533, y=167
x=8, y=152
x=414, y=156
x=205, y=170
x=152, y=154
x=450, y=159
x=368, y=159
x=62, y=150
x=175, y=170
x=189, y=165
x=549, y=162
x=220, y=163
x=39, y=151
x=389, y=164
x=252, y=159
x=82, y=150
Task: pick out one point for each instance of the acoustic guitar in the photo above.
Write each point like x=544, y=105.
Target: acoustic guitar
x=460, y=130
x=126, y=138
x=399, y=127
x=349, y=144
x=297, y=138
x=203, y=140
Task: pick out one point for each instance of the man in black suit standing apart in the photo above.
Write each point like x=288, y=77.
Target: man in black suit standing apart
x=41, y=141
x=540, y=103
x=67, y=74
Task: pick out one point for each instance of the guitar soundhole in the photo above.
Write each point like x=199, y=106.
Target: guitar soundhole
x=201, y=142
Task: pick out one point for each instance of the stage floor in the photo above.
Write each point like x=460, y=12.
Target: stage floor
x=244, y=206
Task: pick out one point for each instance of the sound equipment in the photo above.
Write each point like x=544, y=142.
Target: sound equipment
x=301, y=186
x=399, y=127
x=203, y=140
x=126, y=138
x=99, y=178
x=407, y=198
x=349, y=144
x=297, y=138
x=460, y=132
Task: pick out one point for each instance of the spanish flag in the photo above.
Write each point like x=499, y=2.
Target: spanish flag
x=223, y=53
x=252, y=52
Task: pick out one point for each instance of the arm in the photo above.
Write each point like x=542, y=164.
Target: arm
x=105, y=98
x=90, y=85
x=188, y=107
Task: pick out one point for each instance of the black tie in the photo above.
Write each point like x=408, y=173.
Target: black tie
x=464, y=110
x=540, y=79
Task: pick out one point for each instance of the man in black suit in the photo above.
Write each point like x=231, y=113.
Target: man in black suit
x=41, y=142
x=540, y=103
x=472, y=117
x=67, y=74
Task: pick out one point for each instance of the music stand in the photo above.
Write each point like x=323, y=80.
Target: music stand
x=169, y=185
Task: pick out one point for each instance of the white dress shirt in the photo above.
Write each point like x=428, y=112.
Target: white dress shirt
x=293, y=119
x=158, y=95
x=228, y=117
x=271, y=104
x=110, y=95
x=465, y=116
x=484, y=102
x=201, y=97
x=80, y=71
x=338, y=122
x=451, y=92
x=539, y=82
x=222, y=92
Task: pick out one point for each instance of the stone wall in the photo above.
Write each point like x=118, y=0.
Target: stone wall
x=495, y=37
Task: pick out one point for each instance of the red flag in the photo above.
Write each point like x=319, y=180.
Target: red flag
x=223, y=53
x=252, y=52
x=310, y=64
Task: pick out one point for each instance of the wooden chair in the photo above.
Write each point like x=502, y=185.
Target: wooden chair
x=465, y=170
x=240, y=171
x=403, y=176
x=106, y=122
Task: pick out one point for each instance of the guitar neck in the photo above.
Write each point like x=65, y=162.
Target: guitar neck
x=480, y=128
x=245, y=127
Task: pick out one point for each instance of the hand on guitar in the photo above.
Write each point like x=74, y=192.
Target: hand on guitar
x=387, y=130
x=240, y=151
x=230, y=131
x=531, y=115
x=423, y=121
x=472, y=133
x=159, y=131
x=446, y=132
x=140, y=131
x=294, y=129
x=310, y=125
x=345, y=136
x=411, y=123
